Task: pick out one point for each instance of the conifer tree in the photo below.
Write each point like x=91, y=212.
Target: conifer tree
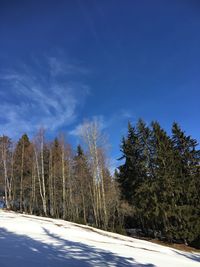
x=160, y=179
x=22, y=171
x=129, y=173
x=164, y=162
x=187, y=173
x=83, y=184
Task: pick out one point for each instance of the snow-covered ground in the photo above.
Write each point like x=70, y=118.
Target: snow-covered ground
x=27, y=241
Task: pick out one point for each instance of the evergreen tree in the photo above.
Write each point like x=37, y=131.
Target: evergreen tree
x=129, y=175
x=187, y=173
x=134, y=174
x=83, y=185
x=23, y=157
x=160, y=179
x=146, y=193
x=165, y=182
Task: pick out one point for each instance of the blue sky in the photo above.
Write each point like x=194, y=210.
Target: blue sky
x=62, y=62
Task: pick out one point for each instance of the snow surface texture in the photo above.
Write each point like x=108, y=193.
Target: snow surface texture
x=27, y=241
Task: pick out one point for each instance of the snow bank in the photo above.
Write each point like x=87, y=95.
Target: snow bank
x=27, y=241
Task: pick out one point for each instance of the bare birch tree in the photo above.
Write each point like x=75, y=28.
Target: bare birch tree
x=95, y=142
x=6, y=158
x=39, y=160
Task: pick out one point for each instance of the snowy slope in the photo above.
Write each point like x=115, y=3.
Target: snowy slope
x=27, y=241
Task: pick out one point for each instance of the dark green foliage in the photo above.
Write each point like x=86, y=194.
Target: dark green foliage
x=130, y=173
x=83, y=177
x=187, y=170
x=160, y=179
x=22, y=167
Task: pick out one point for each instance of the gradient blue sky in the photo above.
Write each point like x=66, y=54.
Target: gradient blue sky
x=65, y=61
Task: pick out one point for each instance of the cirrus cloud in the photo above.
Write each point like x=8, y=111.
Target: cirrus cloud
x=31, y=98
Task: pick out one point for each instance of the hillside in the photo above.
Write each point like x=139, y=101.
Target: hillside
x=36, y=241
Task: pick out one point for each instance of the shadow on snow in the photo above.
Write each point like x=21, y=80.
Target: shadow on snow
x=194, y=257
x=21, y=250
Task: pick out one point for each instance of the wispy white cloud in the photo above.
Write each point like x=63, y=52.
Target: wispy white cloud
x=105, y=122
x=58, y=67
x=126, y=114
x=30, y=99
x=78, y=130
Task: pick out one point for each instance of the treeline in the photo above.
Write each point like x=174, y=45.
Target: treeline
x=155, y=191
x=50, y=179
x=160, y=179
